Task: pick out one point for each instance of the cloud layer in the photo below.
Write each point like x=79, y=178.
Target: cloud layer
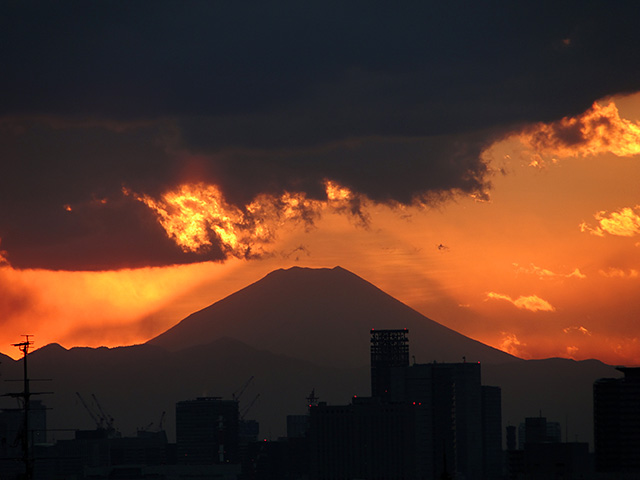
x=395, y=103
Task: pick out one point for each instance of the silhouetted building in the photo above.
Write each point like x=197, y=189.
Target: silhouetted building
x=389, y=350
x=538, y=430
x=297, y=426
x=449, y=436
x=207, y=431
x=543, y=456
x=423, y=421
x=370, y=438
x=566, y=461
x=511, y=438
x=616, y=408
x=492, y=458
x=98, y=454
x=12, y=434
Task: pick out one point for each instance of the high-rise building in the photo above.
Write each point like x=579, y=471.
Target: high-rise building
x=450, y=429
x=207, y=431
x=492, y=458
x=423, y=421
x=616, y=409
x=389, y=350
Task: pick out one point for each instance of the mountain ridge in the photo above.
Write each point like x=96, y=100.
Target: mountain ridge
x=319, y=315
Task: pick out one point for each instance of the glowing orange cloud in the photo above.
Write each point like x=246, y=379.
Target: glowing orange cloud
x=196, y=215
x=532, y=303
x=512, y=345
x=579, y=329
x=624, y=223
x=545, y=273
x=598, y=130
x=571, y=351
x=192, y=212
x=337, y=193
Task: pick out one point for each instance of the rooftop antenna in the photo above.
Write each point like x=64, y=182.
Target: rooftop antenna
x=312, y=399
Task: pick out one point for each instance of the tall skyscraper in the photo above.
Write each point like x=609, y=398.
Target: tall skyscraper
x=389, y=350
x=450, y=429
x=616, y=409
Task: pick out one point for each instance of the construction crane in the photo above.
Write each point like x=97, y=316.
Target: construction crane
x=246, y=409
x=238, y=393
x=161, y=422
x=98, y=421
x=108, y=419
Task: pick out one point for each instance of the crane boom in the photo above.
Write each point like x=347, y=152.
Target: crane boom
x=108, y=419
x=246, y=409
x=238, y=393
x=93, y=416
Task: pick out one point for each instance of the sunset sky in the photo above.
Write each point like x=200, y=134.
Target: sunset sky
x=479, y=161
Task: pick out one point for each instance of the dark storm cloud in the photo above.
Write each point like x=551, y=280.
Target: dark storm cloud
x=394, y=101
x=61, y=199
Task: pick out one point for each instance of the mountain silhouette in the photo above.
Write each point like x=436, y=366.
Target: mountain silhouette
x=293, y=331
x=323, y=316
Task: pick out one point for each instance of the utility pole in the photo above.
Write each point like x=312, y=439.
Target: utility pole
x=26, y=396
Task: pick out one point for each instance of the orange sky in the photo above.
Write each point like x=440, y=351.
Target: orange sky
x=548, y=266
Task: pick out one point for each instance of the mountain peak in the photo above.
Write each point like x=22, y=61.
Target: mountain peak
x=321, y=315
x=297, y=272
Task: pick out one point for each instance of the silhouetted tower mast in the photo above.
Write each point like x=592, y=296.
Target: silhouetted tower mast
x=389, y=350
x=312, y=399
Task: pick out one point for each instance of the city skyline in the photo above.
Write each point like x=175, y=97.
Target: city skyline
x=479, y=164
x=395, y=432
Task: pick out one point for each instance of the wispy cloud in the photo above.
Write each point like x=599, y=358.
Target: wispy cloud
x=532, y=303
x=623, y=223
x=619, y=273
x=598, y=130
x=545, y=273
